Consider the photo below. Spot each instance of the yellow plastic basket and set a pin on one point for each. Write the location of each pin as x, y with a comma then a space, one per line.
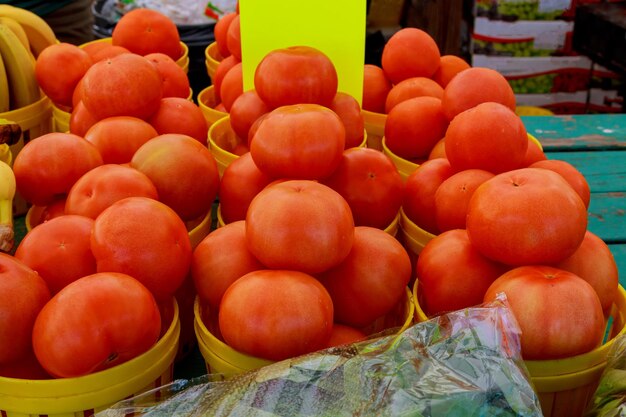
222, 140
404, 166
83, 396
212, 59
532, 111
375, 127
414, 237
221, 358
207, 102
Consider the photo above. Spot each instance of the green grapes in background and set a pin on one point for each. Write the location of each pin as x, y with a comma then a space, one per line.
514, 10
515, 49
541, 84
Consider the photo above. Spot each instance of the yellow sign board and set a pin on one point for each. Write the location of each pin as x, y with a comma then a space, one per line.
335, 27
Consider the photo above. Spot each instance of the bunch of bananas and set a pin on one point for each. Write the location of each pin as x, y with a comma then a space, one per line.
23, 35
9, 134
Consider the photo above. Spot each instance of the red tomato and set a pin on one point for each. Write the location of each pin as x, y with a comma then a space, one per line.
26, 367
371, 184
296, 75
344, 335
23, 293
241, 182
108, 52
594, 262
103, 186
51, 211
349, 111
376, 86
245, 110
72, 337
400, 59
220, 72
81, 119
299, 225
180, 116
452, 274
233, 37
371, 280
533, 154
276, 314
219, 260
183, 170
453, 196
571, 174
449, 66
231, 86
59, 85
175, 80
144, 31
117, 138
529, 216
411, 88
48, 167
471, 141
126, 85
59, 250
558, 312
303, 141
474, 86
439, 150
126, 239
220, 32
414, 126
419, 193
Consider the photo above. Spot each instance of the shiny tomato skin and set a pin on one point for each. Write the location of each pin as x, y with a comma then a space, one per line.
526, 216
371, 280
558, 312
241, 182
296, 75
371, 184
72, 337
276, 314
419, 192
452, 274
299, 225
48, 167
220, 259
303, 141
59, 250
23, 293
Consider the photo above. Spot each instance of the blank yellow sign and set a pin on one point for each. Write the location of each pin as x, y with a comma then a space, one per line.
336, 27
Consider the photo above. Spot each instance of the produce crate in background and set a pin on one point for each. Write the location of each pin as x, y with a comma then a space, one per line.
512, 10
560, 84
521, 38
606, 94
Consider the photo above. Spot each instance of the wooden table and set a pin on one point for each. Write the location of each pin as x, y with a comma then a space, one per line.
596, 146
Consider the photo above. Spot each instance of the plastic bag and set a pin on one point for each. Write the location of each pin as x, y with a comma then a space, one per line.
465, 363
609, 400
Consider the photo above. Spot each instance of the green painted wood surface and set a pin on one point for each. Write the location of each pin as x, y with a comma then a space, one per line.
605, 171
607, 212
619, 253
579, 132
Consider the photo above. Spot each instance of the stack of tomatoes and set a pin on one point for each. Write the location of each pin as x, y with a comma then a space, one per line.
509, 220
116, 206
302, 255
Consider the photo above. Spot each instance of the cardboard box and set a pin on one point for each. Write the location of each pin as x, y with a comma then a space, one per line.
521, 38
605, 101
540, 75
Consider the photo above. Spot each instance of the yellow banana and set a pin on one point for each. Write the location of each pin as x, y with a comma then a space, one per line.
17, 29
40, 34
20, 70
4, 89
7, 193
